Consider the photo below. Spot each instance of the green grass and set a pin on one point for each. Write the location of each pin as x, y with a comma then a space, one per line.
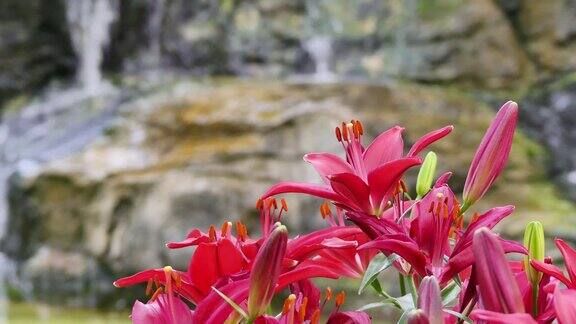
39, 313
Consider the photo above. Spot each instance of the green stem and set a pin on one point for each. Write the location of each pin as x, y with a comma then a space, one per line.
534, 300
413, 290
402, 284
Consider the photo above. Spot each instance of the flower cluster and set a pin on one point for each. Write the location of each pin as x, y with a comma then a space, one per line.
451, 267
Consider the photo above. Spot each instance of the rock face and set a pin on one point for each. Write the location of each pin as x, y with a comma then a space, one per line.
448, 41
198, 154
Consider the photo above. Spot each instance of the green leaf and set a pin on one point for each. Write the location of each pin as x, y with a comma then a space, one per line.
403, 303
450, 293
377, 287
406, 302
377, 265
458, 315
377, 305
232, 303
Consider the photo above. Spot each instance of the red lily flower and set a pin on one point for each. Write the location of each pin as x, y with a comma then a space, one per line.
492, 154
218, 254
364, 181
569, 255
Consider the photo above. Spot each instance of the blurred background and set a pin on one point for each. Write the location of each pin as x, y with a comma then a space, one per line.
126, 122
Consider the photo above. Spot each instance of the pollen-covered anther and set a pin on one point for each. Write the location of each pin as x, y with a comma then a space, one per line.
149, 287
340, 298
212, 233
289, 303
259, 204
338, 134
284, 204
345, 132
325, 210
225, 229
328, 294
241, 231
358, 125
315, 318
302, 308
177, 278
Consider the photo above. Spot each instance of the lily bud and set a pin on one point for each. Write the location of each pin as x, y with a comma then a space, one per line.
430, 300
534, 243
492, 154
265, 271
426, 174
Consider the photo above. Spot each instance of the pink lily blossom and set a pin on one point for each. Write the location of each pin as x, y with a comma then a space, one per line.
364, 181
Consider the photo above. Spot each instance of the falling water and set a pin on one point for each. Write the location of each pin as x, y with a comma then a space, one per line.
156, 13
89, 23
320, 49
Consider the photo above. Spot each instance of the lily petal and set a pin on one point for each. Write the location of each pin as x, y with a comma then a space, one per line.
353, 317
321, 191
565, 305
383, 179
424, 141
406, 248
552, 271
569, 255
500, 318
351, 186
327, 164
388, 146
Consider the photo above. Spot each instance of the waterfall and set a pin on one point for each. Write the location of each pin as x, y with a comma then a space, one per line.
89, 23
320, 50
156, 10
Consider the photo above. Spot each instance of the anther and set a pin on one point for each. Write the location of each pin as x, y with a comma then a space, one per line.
360, 127
328, 294
338, 134
259, 203
302, 309
288, 303
340, 299
315, 318
344, 132
149, 287
225, 228
431, 207
212, 233
284, 204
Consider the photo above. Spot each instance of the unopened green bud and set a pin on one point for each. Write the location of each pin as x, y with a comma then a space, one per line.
426, 174
534, 243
